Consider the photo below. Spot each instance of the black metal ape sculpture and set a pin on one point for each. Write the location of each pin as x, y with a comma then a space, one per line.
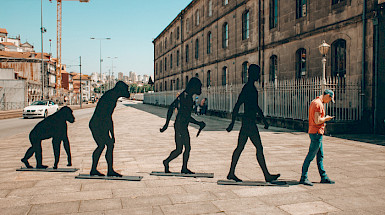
102, 127
184, 104
55, 127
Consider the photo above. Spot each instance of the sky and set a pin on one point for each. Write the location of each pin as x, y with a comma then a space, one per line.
131, 24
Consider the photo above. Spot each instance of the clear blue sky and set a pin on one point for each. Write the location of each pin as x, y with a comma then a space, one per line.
131, 24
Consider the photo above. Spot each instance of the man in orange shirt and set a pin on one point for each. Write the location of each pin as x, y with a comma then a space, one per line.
317, 121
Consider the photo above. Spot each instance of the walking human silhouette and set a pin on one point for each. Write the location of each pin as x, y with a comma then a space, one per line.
55, 127
249, 129
102, 127
184, 104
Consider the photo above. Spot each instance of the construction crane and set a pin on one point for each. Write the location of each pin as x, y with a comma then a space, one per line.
58, 41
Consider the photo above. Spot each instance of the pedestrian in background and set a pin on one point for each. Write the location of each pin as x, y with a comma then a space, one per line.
316, 131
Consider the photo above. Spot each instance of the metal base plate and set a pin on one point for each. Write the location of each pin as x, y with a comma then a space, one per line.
48, 169
178, 174
252, 183
124, 178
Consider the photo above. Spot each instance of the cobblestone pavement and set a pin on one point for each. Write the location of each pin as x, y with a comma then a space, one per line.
358, 169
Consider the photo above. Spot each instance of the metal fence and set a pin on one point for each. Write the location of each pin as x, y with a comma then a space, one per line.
282, 99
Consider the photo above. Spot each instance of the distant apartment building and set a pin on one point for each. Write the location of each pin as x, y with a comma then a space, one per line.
120, 76
85, 82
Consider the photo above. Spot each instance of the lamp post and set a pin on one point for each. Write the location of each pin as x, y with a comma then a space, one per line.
100, 40
323, 49
112, 68
42, 30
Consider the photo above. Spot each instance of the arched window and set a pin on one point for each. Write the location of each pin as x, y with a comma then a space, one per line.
177, 84
208, 78
301, 10
339, 58
165, 64
177, 58
165, 43
165, 86
301, 62
209, 36
244, 72
197, 17
177, 33
210, 8
186, 80
273, 68
225, 35
171, 39
196, 49
224, 75
273, 13
156, 68
171, 85
187, 53
160, 87
245, 25
171, 61
160, 66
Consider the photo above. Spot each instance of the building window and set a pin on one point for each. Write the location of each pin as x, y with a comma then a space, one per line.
160, 66
177, 84
186, 80
177, 58
273, 68
165, 43
225, 2
244, 72
339, 58
224, 75
160, 87
187, 53
197, 17
187, 25
171, 85
273, 13
225, 35
301, 8
209, 36
245, 25
165, 86
171, 61
165, 64
210, 8
337, 1
196, 49
156, 68
171, 39
177, 33
301, 62
208, 78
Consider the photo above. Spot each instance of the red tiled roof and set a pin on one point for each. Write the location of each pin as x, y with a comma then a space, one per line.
15, 54
8, 44
3, 30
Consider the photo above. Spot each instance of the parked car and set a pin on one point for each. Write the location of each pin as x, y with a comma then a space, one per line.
40, 109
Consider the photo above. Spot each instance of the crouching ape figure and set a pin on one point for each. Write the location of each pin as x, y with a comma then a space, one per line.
184, 104
54, 126
249, 97
102, 127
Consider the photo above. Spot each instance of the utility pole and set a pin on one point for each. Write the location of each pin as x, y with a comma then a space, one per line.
42, 30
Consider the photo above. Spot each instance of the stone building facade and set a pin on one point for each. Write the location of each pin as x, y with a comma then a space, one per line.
216, 40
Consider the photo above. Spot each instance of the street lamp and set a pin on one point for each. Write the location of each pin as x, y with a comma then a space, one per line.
323, 49
100, 40
112, 67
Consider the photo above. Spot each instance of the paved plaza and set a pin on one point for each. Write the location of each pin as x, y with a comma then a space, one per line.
357, 167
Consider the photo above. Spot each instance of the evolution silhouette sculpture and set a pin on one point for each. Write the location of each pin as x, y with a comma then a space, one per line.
102, 127
249, 129
184, 104
55, 127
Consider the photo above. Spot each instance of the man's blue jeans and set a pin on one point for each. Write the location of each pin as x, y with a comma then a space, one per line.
314, 149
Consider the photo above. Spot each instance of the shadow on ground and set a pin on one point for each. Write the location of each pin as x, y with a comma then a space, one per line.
367, 138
